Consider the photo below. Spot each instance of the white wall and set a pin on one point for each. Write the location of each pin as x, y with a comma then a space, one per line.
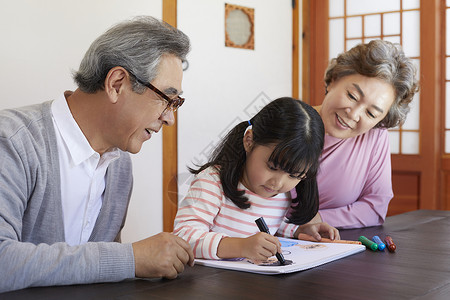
41, 42
223, 85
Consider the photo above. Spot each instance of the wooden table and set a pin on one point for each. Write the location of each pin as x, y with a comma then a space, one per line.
419, 269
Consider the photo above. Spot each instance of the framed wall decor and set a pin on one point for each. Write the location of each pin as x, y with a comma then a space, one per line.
239, 27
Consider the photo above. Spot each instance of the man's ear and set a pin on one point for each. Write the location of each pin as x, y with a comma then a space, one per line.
114, 83
248, 140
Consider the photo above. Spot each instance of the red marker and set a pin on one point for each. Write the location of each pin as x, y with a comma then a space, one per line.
390, 244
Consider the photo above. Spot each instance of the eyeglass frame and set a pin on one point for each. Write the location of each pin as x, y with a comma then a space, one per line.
172, 104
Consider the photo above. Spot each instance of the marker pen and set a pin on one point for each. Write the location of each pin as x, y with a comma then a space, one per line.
368, 243
380, 244
390, 244
263, 228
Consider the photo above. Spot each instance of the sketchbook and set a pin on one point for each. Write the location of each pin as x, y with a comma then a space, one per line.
304, 255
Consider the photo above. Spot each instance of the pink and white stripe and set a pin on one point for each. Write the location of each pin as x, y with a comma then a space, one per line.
205, 215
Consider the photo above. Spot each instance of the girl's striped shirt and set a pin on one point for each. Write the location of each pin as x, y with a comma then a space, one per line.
205, 215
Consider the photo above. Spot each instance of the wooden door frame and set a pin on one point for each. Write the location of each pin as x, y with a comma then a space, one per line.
315, 60
295, 48
430, 83
445, 158
170, 145
315, 50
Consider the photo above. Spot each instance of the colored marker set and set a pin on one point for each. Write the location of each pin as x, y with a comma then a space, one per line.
376, 243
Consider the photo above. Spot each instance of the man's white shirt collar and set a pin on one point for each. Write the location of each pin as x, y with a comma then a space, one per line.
78, 146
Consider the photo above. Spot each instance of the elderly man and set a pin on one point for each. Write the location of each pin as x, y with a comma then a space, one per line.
65, 174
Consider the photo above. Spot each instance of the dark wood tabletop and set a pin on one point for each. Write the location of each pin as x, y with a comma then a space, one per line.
419, 269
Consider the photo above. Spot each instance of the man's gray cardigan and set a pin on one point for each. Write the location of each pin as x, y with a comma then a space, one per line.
33, 251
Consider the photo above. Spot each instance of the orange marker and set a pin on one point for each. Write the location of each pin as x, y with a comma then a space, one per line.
390, 244
307, 237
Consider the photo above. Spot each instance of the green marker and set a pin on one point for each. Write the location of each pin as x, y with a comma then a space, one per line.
368, 243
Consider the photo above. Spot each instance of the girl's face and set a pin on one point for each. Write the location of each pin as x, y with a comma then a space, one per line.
354, 104
260, 176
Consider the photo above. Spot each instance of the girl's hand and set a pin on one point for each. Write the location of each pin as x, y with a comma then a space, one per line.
318, 230
260, 246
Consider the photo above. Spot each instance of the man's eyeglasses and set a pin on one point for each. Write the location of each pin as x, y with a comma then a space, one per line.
172, 104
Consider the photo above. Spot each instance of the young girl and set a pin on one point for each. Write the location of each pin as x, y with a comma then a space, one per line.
249, 176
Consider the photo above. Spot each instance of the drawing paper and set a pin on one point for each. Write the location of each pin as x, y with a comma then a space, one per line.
304, 255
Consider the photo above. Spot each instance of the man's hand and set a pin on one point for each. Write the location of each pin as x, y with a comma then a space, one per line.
162, 255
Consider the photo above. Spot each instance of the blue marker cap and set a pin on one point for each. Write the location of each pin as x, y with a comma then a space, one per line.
377, 240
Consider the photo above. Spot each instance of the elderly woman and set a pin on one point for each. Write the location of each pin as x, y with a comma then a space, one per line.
368, 89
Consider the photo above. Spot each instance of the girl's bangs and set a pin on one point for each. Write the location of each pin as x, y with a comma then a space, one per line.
295, 160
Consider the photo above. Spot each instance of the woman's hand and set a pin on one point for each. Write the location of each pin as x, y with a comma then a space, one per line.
318, 230
317, 219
